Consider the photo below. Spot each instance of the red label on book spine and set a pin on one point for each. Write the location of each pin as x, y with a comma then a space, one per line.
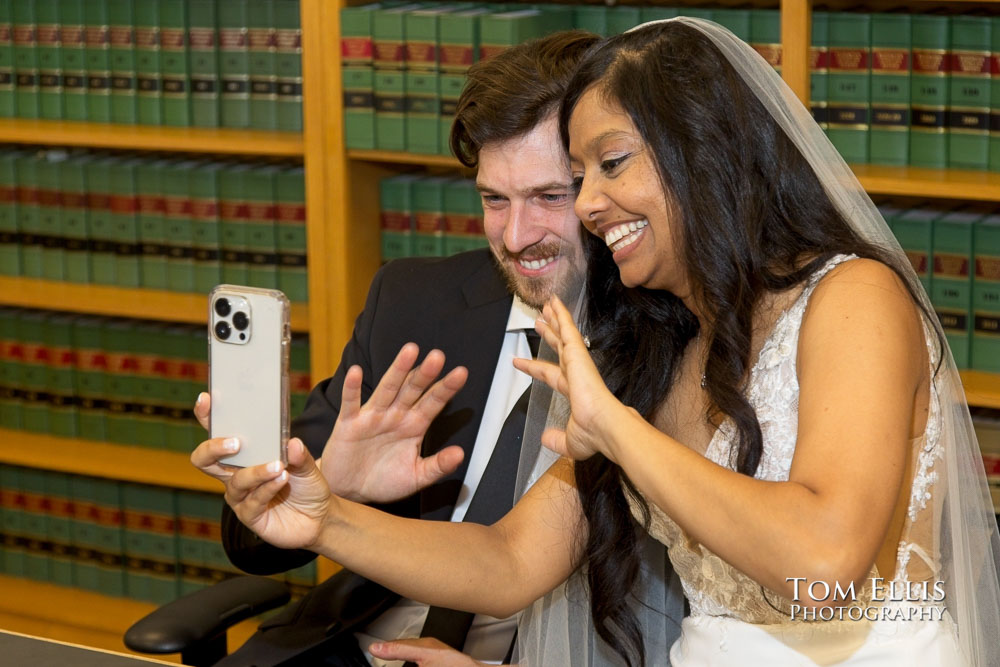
950, 266
970, 63
396, 221
927, 61
98, 36
204, 209
290, 212
201, 38
890, 60
988, 268
177, 207
121, 36
849, 60
123, 204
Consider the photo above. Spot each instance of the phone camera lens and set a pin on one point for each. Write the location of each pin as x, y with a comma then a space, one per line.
240, 320
222, 307
222, 330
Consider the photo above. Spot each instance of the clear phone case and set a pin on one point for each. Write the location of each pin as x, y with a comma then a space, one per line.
248, 343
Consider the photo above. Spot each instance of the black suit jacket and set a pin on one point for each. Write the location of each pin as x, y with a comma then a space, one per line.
459, 305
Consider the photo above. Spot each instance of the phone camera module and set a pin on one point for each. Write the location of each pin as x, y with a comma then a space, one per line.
222, 307
222, 330
241, 321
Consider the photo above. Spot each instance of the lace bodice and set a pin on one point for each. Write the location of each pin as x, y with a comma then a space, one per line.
715, 588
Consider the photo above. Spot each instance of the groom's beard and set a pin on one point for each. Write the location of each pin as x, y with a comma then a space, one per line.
559, 275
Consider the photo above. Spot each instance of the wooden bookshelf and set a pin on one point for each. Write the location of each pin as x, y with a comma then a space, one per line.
937, 183
982, 389
139, 303
128, 463
392, 157
152, 138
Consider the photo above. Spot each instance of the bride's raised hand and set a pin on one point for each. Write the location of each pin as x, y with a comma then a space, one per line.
577, 378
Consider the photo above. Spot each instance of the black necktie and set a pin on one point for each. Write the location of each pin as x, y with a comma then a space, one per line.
493, 498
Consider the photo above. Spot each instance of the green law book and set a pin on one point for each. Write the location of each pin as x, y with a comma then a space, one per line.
48, 47
28, 222
423, 117
290, 213
951, 288
396, 200
623, 17
889, 140
463, 217
124, 206
428, 216
738, 22
262, 48
33, 371
914, 230
288, 64
389, 36
10, 256
111, 575
175, 74
262, 243
150, 390
985, 352
8, 108
122, 24
98, 60
11, 397
147, 63
60, 519
204, 54
203, 187
61, 376
153, 238
499, 32
819, 67
451, 90
233, 217
192, 535
849, 85
995, 93
356, 35
423, 37
74, 59
555, 17
13, 520
359, 106
25, 59
929, 91
83, 533
969, 93
180, 433
695, 12
50, 214
103, 265
177, 207
36, 561
765, 35
150, 540
299, 382
234, 64
91, 378
459, 34
592, 18
656, 13
75, 218
118, 340
390, 105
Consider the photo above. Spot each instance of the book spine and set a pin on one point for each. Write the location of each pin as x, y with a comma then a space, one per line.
299, 382
11, 395
233, 216
623, 17
929, 91
463, 217
262, 48
74, 59
124, 206
359, 106
889, 141
34, 376
25, 59
8, 108
969, 93
175, 71
91, 376
915, 232
288, 65
98, 60
390, 105
147, 403
177, 209
60, 514
179, 370
152, 227
389, 38
49, 215
36, 561
397, 217
48, 41
985, 352
261, 241
150, 520
61, 372
234, 65
203, 185
12, 496
83, 533
423, 117
28, 223
849, 85
428, 217
102, 236
737, 21
420, 50
148, 81
121, 21
291, 238
451, 86
203, 39
951, 287
819, 67
765, 35
110, 569
592, 18
75, 226
10, 259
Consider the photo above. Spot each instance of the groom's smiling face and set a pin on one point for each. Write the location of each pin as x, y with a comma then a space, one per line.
528, 198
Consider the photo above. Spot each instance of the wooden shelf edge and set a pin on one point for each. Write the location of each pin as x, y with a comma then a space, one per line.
404, 158
141, 137
981, 389
937, 183
139, 303
127, 463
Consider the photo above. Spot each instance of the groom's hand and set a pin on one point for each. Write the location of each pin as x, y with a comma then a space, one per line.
425, 652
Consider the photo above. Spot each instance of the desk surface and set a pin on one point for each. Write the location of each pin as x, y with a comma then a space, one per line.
18, 649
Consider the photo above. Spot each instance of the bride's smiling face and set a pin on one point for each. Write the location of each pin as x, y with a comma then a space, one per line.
620, 197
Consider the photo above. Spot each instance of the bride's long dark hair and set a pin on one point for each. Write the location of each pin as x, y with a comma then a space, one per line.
752, 218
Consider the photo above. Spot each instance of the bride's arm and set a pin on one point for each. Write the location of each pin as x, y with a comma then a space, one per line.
861, 358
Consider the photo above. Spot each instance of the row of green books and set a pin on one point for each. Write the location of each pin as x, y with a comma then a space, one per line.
987, 424
124, 381
908, 89
404, 63
956, 254
116, 538
430, 216
204, 63
161, 222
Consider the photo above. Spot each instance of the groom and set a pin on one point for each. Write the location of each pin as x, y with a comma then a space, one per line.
505, 125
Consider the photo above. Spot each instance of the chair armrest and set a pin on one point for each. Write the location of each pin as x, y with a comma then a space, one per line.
204, 614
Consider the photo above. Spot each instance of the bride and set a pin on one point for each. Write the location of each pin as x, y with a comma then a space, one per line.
767, 392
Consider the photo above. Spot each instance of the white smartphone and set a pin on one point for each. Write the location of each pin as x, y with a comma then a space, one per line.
248, 341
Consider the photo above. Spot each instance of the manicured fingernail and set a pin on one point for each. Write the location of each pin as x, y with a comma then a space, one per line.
283, 476
201, 397
230, 444
274, 466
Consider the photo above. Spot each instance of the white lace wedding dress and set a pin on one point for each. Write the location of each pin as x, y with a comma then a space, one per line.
734, 621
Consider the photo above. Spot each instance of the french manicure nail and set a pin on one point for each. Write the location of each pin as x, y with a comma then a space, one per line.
274, 466
231, 444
